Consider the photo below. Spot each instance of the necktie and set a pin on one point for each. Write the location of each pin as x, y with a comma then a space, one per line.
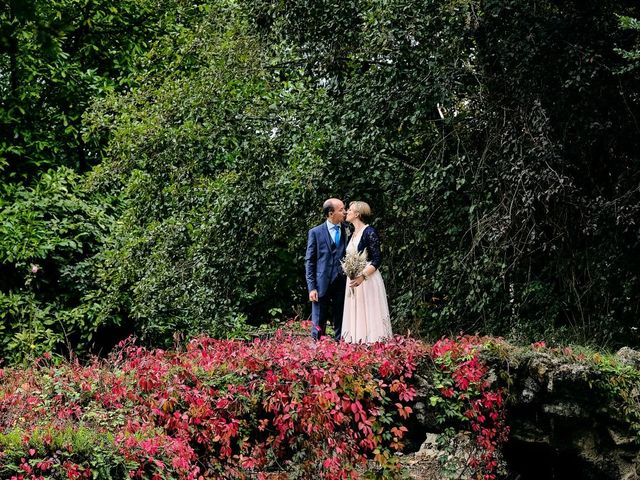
337, 234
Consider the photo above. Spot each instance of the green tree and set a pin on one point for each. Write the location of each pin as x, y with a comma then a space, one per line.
633, 56
55, 57
497, 143
216, 157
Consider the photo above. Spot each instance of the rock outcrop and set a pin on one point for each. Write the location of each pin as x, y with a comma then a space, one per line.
569, 417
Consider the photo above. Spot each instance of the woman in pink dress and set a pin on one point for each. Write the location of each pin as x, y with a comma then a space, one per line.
366, 312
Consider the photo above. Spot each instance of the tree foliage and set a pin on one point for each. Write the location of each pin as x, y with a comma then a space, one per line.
499, 143
500, 161
217, 164
56, 56
496, 141
633, 56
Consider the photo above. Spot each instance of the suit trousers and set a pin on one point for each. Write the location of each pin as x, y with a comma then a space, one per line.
331, 302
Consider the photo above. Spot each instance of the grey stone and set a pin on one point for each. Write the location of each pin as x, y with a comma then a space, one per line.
564, 409
628, 356
530, 390
621, 438
555, 405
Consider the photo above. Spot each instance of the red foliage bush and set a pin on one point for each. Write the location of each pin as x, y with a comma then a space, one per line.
467, 394
222, 409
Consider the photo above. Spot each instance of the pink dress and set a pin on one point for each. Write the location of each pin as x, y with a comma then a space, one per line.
366, 312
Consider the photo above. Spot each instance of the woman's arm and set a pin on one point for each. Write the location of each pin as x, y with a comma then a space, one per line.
372, 244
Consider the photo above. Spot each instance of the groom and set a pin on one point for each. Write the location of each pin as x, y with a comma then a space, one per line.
326, 282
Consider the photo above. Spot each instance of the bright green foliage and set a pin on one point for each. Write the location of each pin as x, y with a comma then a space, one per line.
48, 234
55, 57
217, 158
496, 141
633, 56
76, 449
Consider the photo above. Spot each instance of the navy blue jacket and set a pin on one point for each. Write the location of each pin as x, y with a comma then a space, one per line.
371, 241
322, 260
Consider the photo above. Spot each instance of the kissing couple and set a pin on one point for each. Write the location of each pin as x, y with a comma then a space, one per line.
359, 303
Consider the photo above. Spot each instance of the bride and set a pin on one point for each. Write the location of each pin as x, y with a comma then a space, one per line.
366, 312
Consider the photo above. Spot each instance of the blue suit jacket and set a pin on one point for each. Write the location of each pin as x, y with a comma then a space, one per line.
322, 260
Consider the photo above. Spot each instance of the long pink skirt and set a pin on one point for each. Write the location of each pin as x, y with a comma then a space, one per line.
366, 312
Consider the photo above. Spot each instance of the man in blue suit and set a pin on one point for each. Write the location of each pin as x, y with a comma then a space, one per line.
326, 281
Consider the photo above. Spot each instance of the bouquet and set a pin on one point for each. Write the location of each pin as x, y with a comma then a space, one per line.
353, 265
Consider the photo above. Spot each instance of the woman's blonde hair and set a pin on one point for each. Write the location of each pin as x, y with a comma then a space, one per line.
363, 209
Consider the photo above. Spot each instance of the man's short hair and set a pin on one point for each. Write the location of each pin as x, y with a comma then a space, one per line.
328, 207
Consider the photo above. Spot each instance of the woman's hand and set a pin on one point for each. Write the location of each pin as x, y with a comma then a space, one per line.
356, 281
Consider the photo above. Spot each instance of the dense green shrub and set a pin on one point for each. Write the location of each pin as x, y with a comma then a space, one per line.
499, 144
502, 180
49, 234
217, 164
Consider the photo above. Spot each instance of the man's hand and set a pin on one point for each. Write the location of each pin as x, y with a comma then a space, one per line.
313, 295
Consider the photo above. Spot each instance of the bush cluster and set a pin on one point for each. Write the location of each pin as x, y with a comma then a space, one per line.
221, 409
465, 395
50, 236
